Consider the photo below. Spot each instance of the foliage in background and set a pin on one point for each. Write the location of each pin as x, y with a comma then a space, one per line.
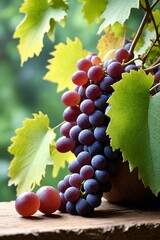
22, 89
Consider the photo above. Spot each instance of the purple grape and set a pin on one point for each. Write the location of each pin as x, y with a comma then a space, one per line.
62, 207
84, 158
79, 148
94, 200
70, 114
99, 162
83, 121
95, 148
71, 208
101, 102
91, 186
102, 176
109, 153
82, 90
66, 180
61, 186
130, 67
74, 166
100, 134
115, 69
93, 92
86, 137
87, 106
87, 171
65, 128
74, 132
72, 194
75, 180
97, 118
157, 77
106, 84
83, 208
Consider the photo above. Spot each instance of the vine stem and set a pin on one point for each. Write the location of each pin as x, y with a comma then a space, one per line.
153, 20
57, 126
139, 32
152, 67
155, 86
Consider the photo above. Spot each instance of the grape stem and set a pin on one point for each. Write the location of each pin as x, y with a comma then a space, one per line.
152, 67
141, 27
154, 87
153, 20
57, 126
131, 61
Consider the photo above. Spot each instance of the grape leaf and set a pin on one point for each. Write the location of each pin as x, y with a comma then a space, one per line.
111, 40
117, 11
137, 131
63, 63
35, 24
31, 150
59, 159
93, 9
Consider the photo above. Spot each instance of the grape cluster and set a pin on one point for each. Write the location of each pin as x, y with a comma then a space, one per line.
84, 132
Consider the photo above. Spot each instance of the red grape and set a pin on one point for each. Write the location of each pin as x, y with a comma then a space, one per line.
65, 144
80, 77
84, 64
115, 69
95, 73
121, 55
27, 204
50, 200
71, 98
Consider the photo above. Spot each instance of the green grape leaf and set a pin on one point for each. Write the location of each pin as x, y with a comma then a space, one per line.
63, 63
93, 9
111, 41
31, 150
35, 24
59, 159
117, 11
135, 125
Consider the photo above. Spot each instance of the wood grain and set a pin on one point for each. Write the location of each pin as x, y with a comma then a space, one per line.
109, 222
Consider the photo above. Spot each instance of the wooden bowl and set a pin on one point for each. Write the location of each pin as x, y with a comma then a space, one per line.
127, 188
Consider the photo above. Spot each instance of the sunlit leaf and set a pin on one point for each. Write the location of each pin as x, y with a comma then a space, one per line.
63, 63
111, 40
31, 150
93, 9
117, 11
35, 24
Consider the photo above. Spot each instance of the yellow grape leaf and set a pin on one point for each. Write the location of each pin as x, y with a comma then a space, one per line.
59, 159
35, 24
31, 150
63, 63
111, 40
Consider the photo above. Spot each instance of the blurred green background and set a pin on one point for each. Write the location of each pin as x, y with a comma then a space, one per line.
23, 90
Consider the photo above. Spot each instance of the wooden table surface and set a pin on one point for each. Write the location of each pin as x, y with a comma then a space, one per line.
108, 222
